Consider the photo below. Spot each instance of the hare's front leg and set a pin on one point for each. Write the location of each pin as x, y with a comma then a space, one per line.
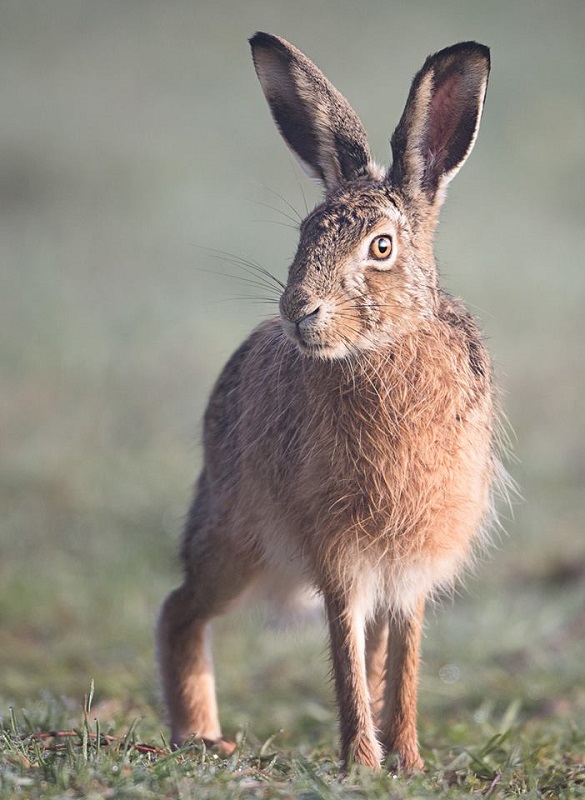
347, 631
398, 717
376, 645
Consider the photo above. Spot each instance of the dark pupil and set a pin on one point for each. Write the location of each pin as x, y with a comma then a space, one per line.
383, 245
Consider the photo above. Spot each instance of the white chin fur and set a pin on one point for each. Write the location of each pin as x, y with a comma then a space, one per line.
325, 352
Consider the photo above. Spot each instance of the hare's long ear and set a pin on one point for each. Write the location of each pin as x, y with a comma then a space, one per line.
439, 125
315, 120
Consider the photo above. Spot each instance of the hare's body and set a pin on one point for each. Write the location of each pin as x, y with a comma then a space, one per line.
348, 444
368, 477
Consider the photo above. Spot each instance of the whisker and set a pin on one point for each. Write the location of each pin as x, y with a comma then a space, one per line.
243, 263
300, 185
294, 220
256, 284
284, 200
250, 278
250, 297
277, 222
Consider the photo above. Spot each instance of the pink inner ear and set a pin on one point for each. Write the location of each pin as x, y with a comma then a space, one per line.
446, 108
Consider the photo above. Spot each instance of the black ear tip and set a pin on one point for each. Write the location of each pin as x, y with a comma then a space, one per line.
462, 51
470, 49
256, 38
262, 39
481, 50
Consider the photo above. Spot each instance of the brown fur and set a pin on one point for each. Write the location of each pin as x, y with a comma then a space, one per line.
348, 443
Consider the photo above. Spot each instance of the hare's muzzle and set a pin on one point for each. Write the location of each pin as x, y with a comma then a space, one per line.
303, 321
308, 320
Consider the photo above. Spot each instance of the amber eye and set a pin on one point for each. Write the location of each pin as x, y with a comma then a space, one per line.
381, 248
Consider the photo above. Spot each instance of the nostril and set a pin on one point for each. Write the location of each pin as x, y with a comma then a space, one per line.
307, 316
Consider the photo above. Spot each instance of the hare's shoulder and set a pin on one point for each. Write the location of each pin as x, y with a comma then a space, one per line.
242, 375
463, 325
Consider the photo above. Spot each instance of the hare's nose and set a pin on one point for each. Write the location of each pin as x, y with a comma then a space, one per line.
297, 308
305, 319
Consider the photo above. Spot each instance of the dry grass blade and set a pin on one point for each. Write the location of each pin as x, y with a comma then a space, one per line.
103, 739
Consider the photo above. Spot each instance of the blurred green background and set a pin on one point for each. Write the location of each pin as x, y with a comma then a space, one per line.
132, 136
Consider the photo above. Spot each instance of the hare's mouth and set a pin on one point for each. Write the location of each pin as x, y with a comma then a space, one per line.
315, 349
312, 341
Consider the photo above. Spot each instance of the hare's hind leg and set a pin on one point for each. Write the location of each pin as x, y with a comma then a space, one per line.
358, 739
186, 668
398, 717
184, 648
215, 576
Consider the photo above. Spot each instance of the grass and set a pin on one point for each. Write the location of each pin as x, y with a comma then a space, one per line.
502, 715
51, 753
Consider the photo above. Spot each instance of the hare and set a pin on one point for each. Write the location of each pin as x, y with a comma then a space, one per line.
348, 443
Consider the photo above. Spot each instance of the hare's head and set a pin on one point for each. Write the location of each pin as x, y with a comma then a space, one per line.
364, 272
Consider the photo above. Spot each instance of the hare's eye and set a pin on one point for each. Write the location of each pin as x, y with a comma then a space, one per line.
381, 248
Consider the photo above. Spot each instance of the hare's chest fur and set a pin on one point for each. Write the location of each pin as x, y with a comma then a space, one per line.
374, 476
